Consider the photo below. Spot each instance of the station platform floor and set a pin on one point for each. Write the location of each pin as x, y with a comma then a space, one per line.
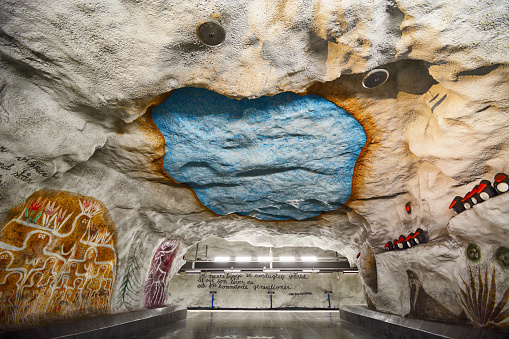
242, 324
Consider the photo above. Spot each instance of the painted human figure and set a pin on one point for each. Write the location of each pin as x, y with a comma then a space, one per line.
51, 260
159, 270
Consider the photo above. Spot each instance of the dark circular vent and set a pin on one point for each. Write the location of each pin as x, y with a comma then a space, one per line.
210, 32
375, 78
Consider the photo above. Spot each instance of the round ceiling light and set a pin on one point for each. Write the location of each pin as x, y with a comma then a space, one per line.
375, 78
210, 32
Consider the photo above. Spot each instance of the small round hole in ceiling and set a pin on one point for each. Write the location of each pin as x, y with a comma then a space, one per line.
210, 32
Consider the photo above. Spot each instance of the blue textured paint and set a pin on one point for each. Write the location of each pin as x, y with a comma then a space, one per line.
274, 158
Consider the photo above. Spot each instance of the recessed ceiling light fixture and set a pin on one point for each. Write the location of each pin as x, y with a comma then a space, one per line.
308, 259
210, 32
375, 78
286, 259
264, 259
222, 259
243, 259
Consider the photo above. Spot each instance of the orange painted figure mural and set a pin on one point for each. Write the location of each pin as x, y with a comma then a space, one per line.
57, 259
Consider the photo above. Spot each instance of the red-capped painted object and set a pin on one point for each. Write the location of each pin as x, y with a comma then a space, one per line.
501, 183
485, 190
476, 199
408, 207
457, 205
389, 246
358, 255
395, 245
420, 237
402, 243
410, 240
467, 201
470, 199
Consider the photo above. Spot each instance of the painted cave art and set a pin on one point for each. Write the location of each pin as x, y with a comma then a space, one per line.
155, 286
273, 158
408, 207
131, 283
481, 193
501, 183
502, 256
57, 259
413, 239
479, 299
474, 253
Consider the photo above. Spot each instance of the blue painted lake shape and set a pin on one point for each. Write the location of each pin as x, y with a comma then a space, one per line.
273, 158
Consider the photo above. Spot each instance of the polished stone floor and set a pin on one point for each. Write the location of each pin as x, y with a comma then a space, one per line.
261, 325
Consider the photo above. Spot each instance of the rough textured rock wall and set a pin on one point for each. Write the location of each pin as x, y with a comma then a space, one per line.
217, 247
77, 78
251, 290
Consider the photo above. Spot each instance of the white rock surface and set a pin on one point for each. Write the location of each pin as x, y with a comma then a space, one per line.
290, 290
213, 247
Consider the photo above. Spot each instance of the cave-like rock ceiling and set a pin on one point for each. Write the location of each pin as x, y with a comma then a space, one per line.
147, 126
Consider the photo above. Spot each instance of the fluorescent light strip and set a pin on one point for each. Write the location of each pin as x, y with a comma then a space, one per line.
264, 259
311, 271
271, 271
193, 272
243, 259
286, 259
222, 259
308, 259
231, 271
350, 272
